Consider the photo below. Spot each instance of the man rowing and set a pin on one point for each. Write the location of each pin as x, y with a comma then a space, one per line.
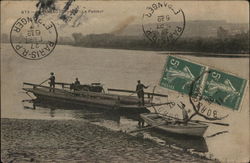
185, 116
140, 91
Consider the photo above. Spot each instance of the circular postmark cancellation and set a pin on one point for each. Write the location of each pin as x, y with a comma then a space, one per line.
162, 23
33, 39
197, 107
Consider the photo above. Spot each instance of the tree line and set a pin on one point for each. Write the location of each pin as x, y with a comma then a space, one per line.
238, 43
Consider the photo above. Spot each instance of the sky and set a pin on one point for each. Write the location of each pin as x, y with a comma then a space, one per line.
115, 13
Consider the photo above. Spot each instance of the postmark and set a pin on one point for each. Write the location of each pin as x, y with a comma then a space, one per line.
163, 23
64, 14
171, 105
32, 39
204, 85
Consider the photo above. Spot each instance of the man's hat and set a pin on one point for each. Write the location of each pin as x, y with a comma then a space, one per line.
138, 81
52, 73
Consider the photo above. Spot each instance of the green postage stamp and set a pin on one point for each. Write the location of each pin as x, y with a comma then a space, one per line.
179, 74
216, 86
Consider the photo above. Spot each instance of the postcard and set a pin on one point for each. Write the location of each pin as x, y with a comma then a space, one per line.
124, 81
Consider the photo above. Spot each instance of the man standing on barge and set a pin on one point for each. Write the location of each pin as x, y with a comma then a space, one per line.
52, 82
77, 84
140, 91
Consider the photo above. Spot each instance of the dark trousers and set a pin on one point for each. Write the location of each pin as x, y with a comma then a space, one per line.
141, 97
52, 87
140, 122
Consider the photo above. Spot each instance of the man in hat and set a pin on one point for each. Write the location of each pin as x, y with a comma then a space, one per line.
184, 113
77, 84
52, 82
140, 91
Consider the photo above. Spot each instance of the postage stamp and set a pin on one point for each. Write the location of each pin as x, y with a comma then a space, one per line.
226, 89
163, 23
179, 74
211, 85
32, 39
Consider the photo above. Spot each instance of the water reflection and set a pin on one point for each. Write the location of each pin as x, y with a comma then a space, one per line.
80, 112
120, 121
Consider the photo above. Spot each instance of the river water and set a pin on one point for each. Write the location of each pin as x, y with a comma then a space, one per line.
119, 69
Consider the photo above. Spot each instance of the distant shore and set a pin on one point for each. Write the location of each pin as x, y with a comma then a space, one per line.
193, 52
78, 140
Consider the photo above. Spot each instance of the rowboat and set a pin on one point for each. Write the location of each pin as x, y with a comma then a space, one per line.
193, 143
174, 125
91, 95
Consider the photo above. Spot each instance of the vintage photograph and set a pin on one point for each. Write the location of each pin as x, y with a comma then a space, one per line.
125, 81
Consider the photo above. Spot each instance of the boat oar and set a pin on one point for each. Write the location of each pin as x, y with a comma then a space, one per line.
138, 90
145, 128
160, 104
216, 123
43, 82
